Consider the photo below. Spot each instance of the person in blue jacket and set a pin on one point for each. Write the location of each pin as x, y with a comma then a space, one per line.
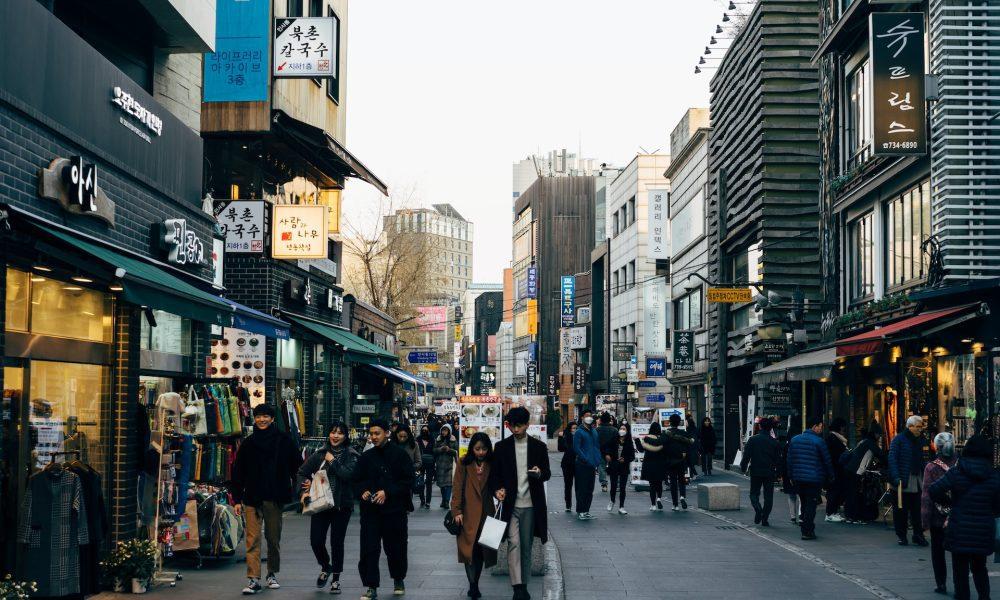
906, 474
809, 467
972, 490
588, 459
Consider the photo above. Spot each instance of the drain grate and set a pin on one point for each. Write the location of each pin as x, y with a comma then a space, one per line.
728, 527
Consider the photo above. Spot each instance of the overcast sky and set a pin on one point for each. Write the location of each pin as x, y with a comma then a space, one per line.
444, 95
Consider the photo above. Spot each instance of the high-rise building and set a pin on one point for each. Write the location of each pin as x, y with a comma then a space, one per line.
449, 237
555, 163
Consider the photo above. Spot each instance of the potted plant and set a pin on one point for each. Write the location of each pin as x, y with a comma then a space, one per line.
11, 589
131, 561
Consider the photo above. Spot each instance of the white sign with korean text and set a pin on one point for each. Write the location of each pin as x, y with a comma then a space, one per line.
299, 231
305, 47
242, 223
577, 338
657, 241
654, 307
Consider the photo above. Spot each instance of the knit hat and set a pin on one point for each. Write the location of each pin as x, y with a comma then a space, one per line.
978, 446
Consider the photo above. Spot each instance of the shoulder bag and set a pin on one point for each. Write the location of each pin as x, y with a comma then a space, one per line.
320, 493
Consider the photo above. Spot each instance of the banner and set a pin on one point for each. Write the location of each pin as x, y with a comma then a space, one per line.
654, 308
237, 71
479, 413
432, 318
565, 352
532, 283
537, 409
580, 378
657, 242
683, 349
568, 290
896, 48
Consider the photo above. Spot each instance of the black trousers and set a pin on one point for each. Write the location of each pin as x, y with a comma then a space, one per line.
836, 495
911, 508
584, 487
809, 496
655, 490
706, 462
767, 484
961, 564
619, 477
378, 531
937, 556
677, 482
334, 521
852, 497
568, 471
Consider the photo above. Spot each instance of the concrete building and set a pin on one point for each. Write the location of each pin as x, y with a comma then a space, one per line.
555, 163
688, 175
450, 237
638, 294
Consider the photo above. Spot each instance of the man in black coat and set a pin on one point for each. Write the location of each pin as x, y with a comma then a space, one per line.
762, 454
264, 475
385, 479
520, 468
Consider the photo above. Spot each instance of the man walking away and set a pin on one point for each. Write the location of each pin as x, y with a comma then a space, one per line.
264, 474
606, 433
906, 473
385, 480
836, 494
588, 460
707, 441
677, 447
517, 477
809, 467
762, 455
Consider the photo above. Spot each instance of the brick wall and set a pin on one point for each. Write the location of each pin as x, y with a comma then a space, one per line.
121, 413
177, 85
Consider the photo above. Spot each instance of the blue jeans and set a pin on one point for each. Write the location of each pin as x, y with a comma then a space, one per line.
446, 495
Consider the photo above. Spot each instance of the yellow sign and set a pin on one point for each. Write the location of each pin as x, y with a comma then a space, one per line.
429, 367
331, 199
532, 316
365, 420
458, 332
730, 295
299, 231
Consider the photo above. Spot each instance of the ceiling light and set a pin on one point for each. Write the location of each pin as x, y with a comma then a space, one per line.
116, 287
732, 5
41, 267
37, 279
701, 60
713, 40
81, 279
707, 50
72, 288
966, 340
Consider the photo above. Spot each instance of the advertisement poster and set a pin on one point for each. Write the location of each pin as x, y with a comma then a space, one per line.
536, 407
479, 413
432, 318
240, 354
663, 414
638, 430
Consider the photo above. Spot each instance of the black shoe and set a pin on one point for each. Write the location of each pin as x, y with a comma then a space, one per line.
324, 577
941, 589
764, 523
756, 517
808, 536
902, 542
920, 541
398, 588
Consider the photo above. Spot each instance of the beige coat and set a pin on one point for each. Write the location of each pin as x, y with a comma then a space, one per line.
467, 499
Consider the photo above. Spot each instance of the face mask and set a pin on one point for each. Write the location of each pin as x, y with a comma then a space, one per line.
622, 432
588, 420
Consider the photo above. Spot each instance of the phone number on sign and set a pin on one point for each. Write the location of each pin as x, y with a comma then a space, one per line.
899, 145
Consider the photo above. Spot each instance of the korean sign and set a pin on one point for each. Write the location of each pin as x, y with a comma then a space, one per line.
432, 318
622, 352
577, 338
896, 47
656, 367
532, 291
654, 308
299, 231
683, 349
579, 378
237, 70
568, 299
182, 244
305, 47
479, 413
532, 377
553, 387
657, 244
729, 295
242, 223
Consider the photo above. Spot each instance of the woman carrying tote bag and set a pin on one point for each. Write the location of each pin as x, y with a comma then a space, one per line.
470, 504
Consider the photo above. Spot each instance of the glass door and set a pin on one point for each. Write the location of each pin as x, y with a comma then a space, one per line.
13, 466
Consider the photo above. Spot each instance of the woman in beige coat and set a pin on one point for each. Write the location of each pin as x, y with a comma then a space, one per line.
468, 507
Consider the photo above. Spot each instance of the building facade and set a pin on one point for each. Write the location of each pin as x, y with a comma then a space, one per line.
449, 237
555, 163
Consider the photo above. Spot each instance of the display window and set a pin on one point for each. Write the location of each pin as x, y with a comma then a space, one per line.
42, 305
956, 382
172, 334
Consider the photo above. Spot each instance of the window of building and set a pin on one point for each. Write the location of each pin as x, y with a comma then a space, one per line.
614, 224
631, 210
56, 308
631, 274
172, 334
630, 336
289, 354
909, 224
746, 264
687, 311
859, 118
615, 282
861, 252
295, 9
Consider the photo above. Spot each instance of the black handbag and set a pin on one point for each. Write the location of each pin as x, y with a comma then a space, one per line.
450, 524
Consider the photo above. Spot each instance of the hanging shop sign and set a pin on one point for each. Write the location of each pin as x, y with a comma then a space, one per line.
568, 289
729, 295
334, 301
657, 242
896, 48
299, 290
432, 318
577, 338
774, 350
532, 316
565, 352
582, 315
487, 377
243, 224
241, 355
237, 70
479, 413
218, 262
553, 385
364, 409
579, 378
182, 245
683, 349
299, 231
532, 291
73, 183
646, 383
656, 367
532, 377
622, 352
305, 47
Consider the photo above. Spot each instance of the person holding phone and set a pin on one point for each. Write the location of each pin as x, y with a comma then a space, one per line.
520, 468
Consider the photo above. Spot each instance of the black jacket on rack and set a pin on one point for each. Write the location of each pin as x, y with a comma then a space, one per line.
97, 527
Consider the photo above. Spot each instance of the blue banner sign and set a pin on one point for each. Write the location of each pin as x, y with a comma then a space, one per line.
646, 383
239, 69
532, 282
656, 367
422, 357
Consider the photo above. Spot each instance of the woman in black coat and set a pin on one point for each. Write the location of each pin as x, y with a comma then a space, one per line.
565, 444
974, 487
654, 464
707, 441
619, 454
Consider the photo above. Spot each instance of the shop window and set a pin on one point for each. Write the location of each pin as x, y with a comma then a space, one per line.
289, 354
18, 293
172, 334
861, 252
68, 310
687, 311
956, 379
909, 217
859, 118
65, 412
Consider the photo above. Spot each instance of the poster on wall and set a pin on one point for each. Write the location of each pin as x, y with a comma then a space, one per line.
479, 413
638, 430
536, 408
432, 318
240, 354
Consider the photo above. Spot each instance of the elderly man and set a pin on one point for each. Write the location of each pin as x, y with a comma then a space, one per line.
906, 471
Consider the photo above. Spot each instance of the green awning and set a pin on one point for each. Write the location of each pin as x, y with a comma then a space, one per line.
146, 284
356, 349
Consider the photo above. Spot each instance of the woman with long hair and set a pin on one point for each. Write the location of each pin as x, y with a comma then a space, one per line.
619, 454
425, 441
654, 464
340, 462
403, 437
470, 504
445, 455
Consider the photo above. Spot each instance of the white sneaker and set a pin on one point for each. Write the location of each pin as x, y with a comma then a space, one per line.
272, 581
253, 587
652, 508
834, 518
622, 511
611, 506
676, 509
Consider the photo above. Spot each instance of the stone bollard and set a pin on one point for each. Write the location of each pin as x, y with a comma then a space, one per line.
718, 496
537, 559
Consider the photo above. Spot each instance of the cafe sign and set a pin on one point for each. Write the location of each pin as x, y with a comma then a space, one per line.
298, 231
183, 246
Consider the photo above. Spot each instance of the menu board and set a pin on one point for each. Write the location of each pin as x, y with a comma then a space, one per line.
240, 354
479, 413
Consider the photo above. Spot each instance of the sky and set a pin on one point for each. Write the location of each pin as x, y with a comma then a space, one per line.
443, 96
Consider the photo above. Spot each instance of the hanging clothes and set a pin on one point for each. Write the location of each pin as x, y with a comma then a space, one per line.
97, 526
52, 527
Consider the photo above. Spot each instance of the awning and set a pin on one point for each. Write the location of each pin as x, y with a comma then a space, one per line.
399, 375
357, 350
148, 285
873, 341
807, 366
319, 146
255, 321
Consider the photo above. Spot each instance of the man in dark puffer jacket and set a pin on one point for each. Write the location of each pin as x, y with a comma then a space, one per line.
975, 502
906, 471
809, 467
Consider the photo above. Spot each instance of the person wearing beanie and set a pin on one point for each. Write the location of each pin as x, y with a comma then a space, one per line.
762, 459
264, 474
974, 489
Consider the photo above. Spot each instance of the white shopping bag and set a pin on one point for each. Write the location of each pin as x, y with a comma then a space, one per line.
320, 494
493, 530
865, 461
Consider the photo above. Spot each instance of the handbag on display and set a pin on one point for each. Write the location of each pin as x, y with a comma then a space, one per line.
320, 493
493, 530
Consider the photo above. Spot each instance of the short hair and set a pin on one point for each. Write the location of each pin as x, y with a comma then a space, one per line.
945, 444
605, 418
338, 425
518, 416
838, 424
766, 424
654, 428
914, 420
380, 423
675, 420
814, 421
264, 409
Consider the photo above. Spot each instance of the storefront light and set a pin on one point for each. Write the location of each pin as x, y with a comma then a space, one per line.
978, 347
925, 349
82, 279
42, 268
866, 361
966, 340
940, 351
72, 288
38, 279
895, 354
116, 287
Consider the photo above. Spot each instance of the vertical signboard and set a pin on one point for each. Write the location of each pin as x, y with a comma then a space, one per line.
568, 303
532, 291
683, 348
896, 48
532, 316
580, 378
565, 352
654, 308
532, 377
657, 242
238, 70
